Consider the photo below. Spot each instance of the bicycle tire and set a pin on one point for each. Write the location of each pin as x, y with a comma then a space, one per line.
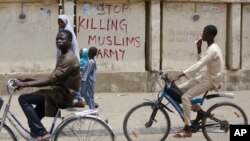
7, 134
84, 128
229, 113
134, 123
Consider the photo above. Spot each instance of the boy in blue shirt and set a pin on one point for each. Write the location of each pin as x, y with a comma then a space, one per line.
89, 79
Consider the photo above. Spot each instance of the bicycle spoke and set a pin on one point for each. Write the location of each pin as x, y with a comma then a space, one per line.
6, 134
223, 114
141, 125
84, 128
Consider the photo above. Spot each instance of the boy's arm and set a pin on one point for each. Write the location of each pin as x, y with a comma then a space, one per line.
25, 79
192, 70
198, 45
87, 71
34, 83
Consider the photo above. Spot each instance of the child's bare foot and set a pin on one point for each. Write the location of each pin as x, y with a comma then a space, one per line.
80, 103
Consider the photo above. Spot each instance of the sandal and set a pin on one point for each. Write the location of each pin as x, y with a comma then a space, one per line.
186, 132
45, 137
183, 134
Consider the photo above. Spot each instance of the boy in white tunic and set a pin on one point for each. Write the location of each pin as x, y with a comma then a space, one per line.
209, 79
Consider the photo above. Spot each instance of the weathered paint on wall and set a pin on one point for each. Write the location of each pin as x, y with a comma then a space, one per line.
180, 31
117, 30
155, 38
245, 37
28, 45
234, 37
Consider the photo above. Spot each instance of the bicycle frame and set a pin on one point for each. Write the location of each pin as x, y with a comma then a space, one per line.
13, 120
25, 133
176, 105
152, 116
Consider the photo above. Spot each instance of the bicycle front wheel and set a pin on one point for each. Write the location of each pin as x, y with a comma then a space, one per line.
6, 134
85, 128
137, 125
221, 116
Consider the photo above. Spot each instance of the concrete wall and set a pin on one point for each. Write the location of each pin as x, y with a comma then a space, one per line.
180, 31
28, 45
154, 46
245, 37
132, 37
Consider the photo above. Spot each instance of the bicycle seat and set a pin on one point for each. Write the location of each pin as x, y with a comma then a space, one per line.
87, 112
197, 101
79, 111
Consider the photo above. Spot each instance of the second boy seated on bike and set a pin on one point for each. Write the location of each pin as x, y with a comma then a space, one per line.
209, 79
64, 82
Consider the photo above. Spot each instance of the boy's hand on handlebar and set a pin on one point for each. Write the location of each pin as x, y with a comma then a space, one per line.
19, 85
177, 76
22, 79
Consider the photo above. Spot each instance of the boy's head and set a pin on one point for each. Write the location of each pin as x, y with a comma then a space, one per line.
209, 32
63, 39
92, 52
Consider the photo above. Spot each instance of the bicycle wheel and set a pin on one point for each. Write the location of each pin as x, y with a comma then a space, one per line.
85, 128
134, 124
6, 134
223, 114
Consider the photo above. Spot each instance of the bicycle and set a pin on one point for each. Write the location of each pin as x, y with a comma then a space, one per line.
150, 120
79, 125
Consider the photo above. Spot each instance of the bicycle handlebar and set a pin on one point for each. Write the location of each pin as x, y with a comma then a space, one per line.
11, 87
164, 76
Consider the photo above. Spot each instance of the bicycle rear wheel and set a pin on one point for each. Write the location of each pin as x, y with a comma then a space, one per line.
85, 128
6, 134
222, 115
134, 124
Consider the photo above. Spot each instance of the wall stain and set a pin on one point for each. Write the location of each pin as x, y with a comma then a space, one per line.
46, 11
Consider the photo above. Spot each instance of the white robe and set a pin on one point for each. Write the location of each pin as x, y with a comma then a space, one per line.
74, 44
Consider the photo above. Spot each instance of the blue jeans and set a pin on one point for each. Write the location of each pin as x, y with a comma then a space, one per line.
34, 114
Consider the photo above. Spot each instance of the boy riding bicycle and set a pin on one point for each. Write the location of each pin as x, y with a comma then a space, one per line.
64, 82
209, 79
